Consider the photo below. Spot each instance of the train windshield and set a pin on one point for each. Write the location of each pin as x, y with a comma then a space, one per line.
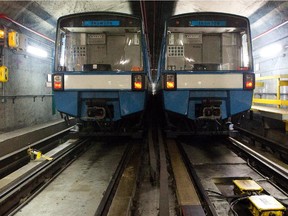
99, 44
202, 45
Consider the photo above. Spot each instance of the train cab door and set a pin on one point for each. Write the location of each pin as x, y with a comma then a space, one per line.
212, 49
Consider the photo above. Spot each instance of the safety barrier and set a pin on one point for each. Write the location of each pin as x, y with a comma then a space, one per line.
279, 112
281, 80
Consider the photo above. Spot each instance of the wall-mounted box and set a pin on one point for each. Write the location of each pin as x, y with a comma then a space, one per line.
13, 39
3, 74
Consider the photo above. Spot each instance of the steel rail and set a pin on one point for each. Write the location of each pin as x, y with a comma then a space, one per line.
152, 157
15, 160
274, 169
164, 185
13, 194
267, 142
272, 172
188, 199
104, 205
126, 189
207, 204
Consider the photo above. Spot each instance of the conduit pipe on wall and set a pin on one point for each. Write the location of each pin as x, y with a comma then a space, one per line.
270, 30
3, 16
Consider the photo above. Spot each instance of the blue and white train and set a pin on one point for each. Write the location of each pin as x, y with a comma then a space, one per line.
101, 69
206, 70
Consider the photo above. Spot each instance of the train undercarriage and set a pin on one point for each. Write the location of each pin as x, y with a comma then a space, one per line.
178, 125
132, 125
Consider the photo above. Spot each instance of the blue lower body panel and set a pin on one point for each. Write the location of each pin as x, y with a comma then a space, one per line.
100, 105
191, 103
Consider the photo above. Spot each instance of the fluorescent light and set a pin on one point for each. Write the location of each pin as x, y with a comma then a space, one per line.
37, 51
271, 50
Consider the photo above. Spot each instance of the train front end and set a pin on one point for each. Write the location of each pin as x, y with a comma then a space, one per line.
206, 69
101, 68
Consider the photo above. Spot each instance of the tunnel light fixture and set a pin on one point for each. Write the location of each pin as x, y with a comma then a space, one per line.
271, 51
36, 51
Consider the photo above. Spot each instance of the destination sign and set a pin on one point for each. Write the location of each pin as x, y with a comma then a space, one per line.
100, 23
207, 23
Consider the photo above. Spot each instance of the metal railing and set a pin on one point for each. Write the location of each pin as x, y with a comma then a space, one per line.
281, 80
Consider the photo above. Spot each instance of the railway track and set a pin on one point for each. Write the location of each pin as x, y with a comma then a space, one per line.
271, 170
154, 176
214, 167
87, 178
278, 149
19, 158
31, 179
118, 197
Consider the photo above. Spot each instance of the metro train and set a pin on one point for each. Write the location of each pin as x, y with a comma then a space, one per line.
101, 70
206, 71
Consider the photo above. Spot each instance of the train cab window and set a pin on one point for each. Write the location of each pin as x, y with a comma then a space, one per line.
95, 47
207, 49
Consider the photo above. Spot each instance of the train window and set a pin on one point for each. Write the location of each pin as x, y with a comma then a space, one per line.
97, 47
207, 48
244, 51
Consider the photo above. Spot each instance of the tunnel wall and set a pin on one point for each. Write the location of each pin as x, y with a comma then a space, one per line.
28, 76
269, 27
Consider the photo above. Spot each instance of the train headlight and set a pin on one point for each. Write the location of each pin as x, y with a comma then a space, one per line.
58, 82
249, 81
170, 81
138, 83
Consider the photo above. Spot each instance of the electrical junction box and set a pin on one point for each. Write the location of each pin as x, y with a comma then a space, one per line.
246, 187
13, 39
265, 205
3, 74
2, 34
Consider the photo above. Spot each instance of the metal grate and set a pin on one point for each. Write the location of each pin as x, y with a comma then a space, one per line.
175, 51
79, 51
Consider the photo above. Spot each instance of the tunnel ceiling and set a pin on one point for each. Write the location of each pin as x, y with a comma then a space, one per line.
42, 16
241, 7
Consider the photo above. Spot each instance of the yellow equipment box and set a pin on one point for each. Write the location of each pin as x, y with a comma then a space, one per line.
265, 205
2, 34
246, 187
13, 39
3, 74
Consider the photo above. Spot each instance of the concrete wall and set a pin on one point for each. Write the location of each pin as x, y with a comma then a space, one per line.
270, 33
277, 65
27, 76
